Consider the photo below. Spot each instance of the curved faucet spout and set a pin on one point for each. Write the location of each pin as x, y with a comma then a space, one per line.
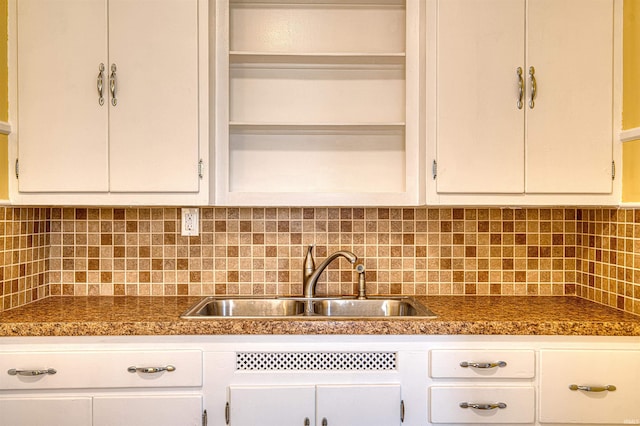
311, 276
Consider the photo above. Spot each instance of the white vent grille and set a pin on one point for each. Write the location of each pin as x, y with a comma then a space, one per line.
315, 361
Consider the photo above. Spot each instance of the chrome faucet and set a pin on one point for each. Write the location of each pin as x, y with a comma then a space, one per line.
311, 273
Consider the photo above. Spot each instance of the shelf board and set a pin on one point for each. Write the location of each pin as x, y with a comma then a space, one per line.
319, 127
383, 58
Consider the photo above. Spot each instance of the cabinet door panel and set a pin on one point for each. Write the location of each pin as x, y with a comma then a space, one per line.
364, 405
154, 126
569, 131
130, 410
63, 411
480, 129
271, 405
62, 136
561, 368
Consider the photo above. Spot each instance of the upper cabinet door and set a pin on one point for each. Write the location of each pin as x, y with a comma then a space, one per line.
62, 132
569, 130
480, 125
153, 45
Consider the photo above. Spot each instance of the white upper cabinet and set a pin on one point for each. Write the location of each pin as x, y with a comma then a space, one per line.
109, 103
569, 129
522, 101
317, 103
480, 128
63, 129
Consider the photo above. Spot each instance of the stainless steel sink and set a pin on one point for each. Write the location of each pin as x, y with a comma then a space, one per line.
374, 307
252, 307
245, 307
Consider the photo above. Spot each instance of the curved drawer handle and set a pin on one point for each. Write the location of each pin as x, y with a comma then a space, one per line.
100, 84
483, 406
113, 81
534, 87
150, 370
609, 388
18, 372
466, 364
520, 87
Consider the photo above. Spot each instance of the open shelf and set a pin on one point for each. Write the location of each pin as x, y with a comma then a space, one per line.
317, 102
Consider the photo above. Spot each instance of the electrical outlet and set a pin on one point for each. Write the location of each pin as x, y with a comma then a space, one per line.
190, 222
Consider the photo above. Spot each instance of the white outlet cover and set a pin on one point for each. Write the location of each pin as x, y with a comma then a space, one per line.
190, 222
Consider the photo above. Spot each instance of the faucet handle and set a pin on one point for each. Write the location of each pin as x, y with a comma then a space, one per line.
309, 263
362, 282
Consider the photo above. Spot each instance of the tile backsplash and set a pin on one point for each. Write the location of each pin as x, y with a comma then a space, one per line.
414, 251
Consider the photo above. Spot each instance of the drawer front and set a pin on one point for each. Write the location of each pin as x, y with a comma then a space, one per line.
559, 369
504, 364
100, 369
496, 405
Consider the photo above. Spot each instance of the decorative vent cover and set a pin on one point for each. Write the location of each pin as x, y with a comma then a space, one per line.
315, 361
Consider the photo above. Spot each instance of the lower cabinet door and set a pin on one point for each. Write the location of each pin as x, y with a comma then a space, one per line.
590, 386
358, 405
62, 411
156, 410
482, 404
272, 405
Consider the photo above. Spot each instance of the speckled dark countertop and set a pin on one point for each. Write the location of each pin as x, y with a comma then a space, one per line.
506, 315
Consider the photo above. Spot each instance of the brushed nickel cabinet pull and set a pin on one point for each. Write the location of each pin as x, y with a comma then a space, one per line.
150, 370
534, 87
112, 84
520, 87
100, 84
609, 388
19, 372
466, 364
478, 406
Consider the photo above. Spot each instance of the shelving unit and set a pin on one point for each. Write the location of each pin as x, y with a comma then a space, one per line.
317, 103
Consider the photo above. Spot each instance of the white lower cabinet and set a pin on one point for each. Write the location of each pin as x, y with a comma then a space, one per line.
278, 380
150, 410
45, 411
489, 385
590, 386
99, 387
271, 405
330, 405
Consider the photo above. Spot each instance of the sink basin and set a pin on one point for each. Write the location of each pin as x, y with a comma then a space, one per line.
387, 307
245, 307
254, 307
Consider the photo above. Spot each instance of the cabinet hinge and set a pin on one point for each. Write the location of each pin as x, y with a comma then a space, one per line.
226, 413
204, 418
200, 167
17, 169
434, 169
613, 170
402, 411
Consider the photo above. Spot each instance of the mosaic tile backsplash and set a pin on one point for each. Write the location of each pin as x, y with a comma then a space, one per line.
259, 251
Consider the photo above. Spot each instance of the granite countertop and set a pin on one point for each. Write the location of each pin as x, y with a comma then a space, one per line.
467, 315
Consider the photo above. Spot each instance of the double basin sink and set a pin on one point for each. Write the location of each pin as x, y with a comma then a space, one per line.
254, 307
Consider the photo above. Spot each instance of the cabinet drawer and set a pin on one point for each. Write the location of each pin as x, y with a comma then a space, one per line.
516, 405
559, 369
103, 369
504, 364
